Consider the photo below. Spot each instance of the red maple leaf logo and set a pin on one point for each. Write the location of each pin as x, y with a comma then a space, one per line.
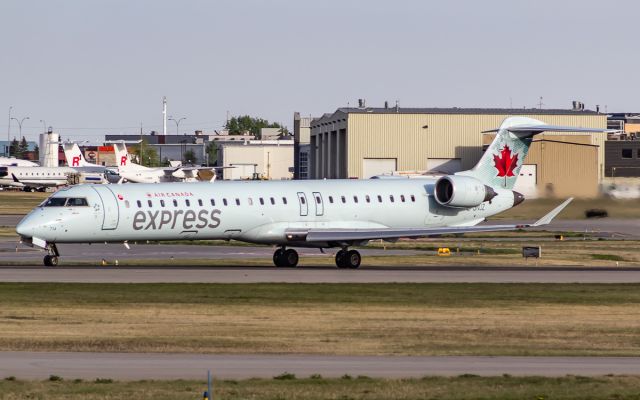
505, 163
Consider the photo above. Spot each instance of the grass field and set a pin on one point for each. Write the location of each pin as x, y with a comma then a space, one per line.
20, 202
462, 387
355, 319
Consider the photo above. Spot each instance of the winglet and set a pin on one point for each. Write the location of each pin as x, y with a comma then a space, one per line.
552, 214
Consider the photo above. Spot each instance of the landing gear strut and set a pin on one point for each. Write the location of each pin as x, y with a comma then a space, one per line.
348, 259
285, 258
51, 259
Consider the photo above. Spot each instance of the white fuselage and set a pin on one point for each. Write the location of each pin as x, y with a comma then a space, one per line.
252, 211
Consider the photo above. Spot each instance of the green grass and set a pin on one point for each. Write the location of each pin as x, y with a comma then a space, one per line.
341, 319
277, 294
535, 208
462, 387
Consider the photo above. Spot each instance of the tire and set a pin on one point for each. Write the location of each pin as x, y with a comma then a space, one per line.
352, 259
50, 261
340, 259
290, 258
277, 257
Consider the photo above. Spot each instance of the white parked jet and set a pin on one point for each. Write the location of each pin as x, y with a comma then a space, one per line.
133, 172
76, 160
16, 162
311, 213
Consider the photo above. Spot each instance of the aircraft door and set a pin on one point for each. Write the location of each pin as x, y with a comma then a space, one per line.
317, 199
110, 211
304, 206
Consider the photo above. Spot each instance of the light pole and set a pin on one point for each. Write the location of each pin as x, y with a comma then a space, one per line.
20, 121
177, 123
9, 134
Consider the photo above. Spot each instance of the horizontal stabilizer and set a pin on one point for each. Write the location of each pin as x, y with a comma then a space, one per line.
534, 129
552, 214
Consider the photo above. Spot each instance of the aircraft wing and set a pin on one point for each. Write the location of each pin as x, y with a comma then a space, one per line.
355, 235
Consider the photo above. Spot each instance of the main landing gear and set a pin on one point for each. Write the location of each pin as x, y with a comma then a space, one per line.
288, 258
285, 258
51, 259
348, 259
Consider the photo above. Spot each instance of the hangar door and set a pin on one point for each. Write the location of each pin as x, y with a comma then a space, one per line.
377, 166
527, 181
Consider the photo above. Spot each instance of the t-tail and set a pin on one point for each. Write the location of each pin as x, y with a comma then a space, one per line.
500, 165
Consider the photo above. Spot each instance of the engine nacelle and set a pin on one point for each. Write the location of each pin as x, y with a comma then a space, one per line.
462, 191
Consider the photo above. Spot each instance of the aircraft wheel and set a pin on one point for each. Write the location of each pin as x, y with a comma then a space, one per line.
50, 261
352, 259
340, 259
277, 257
290, 258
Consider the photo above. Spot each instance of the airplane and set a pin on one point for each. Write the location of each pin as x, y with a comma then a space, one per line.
16, 162
306, 213
76, 160
137, 173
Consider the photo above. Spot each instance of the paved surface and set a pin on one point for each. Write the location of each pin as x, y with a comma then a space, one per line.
133, 366
10, 220
604, 227
315, 275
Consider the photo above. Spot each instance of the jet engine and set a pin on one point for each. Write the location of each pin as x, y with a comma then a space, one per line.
461, 191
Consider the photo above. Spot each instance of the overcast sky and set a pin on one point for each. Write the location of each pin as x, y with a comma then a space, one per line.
94, 67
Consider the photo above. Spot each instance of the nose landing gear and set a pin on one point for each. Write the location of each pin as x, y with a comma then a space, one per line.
51, 259
348, 259
285, 258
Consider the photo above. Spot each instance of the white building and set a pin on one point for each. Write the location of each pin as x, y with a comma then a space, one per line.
256, 159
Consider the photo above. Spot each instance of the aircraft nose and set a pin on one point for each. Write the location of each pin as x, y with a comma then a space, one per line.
26, 227
517, 198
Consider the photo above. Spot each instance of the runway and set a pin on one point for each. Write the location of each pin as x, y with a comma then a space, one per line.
316, 275
136, 366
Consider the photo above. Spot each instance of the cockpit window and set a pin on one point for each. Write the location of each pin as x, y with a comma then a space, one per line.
77, 202
55, 202
65, 201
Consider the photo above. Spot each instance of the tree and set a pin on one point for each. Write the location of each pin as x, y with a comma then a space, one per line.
245, 123
23, 147
146, 155
212, 152
36, 152
189, 157
13, 148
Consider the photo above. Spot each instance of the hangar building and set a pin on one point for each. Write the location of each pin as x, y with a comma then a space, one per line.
363, 142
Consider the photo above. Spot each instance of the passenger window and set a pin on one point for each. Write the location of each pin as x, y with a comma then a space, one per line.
237, 201
273, 201
261, 201
344, 200
213, 202
367, 199
355, 199
391, 198
139, 204
175, 203
379, 199
250, 200
413, 198
284, 200
200, 202
161, 203
224, 201
402, 198
302, 200
331, 199
150, 203
318, 200
187, 202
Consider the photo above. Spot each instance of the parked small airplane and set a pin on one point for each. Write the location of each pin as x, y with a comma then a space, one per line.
133, 172
76, 160
16, 162
306, 213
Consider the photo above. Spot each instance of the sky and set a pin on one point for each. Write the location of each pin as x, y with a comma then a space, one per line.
89, 68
